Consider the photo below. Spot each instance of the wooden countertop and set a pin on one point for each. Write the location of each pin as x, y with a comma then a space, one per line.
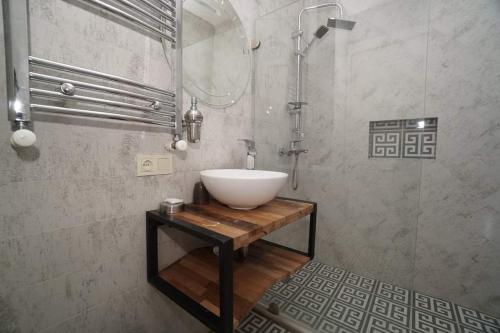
245, 226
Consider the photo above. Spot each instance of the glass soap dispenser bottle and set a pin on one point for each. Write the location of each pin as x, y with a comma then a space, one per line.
193, 119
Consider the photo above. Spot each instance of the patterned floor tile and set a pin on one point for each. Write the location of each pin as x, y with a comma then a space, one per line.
433, 305
361, 282
466, 329
354, 297
273, 298
430, 323
302, 276
346, 316
375, 324
253, 323
328, 326
322, 285
391, 311
311, 300
331, 300
286, 290
477, 321
300, 314
275, 328
331, 273
393, 293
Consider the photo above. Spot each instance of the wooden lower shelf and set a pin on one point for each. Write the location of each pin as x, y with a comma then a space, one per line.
197, 275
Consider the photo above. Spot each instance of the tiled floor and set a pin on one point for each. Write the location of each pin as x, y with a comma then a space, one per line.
331, 300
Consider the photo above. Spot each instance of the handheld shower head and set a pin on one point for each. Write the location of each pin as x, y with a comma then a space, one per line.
320, 33
322, 30
339, 23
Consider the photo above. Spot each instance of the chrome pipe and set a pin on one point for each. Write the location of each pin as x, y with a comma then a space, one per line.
96, 87
99, 114
178, 71
298, 91
17, 49
55, 94
159, 11
119, 12
148, 14
170, 7
298, 134
79, 70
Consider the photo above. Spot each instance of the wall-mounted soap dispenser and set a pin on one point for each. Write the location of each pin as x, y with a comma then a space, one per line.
193, 120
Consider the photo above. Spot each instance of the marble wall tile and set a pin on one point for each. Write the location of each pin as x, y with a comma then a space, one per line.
265, 7
431, 225
72, 210
458, 230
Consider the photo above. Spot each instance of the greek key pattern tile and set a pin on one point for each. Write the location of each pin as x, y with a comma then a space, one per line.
476, 321
393, 293
378, 325
410, 138
355, 297
430, 323
346, 315
360, 282
434, 305
331, 300
391, 311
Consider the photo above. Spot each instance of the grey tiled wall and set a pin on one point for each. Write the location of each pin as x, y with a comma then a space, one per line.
72, 241
427, 224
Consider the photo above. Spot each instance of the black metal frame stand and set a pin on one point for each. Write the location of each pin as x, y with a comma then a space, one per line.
224, 322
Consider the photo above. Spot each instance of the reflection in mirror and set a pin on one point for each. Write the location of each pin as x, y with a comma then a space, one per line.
216, 59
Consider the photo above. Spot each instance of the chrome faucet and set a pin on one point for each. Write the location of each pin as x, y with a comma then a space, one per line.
251, 153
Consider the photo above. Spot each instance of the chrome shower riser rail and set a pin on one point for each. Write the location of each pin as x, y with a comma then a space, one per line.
96, 74
95, 87
99, 114
132, 18
296, 106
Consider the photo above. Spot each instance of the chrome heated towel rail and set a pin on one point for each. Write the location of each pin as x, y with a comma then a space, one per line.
41, 85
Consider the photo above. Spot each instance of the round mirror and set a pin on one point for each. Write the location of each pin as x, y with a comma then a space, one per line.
216, 57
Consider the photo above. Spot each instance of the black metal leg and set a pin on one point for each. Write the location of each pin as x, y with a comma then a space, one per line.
312, 233
151, 248
226, 287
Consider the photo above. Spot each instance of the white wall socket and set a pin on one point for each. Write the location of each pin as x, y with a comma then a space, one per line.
149, 165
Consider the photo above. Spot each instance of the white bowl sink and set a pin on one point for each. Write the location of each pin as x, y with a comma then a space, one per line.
243, 189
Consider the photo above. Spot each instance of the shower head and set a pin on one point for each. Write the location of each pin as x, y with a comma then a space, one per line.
321, 32
338, 23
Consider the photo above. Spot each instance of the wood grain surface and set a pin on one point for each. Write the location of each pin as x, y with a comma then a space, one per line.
245, 226
197, 275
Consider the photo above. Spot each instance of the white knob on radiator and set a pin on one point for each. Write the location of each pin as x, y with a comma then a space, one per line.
23, 138
181, 145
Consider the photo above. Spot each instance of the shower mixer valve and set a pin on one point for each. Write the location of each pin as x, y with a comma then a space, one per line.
294, 149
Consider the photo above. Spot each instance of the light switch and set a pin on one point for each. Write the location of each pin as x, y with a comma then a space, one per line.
149, 165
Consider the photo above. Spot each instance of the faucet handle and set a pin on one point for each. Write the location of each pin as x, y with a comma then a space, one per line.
250, 143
